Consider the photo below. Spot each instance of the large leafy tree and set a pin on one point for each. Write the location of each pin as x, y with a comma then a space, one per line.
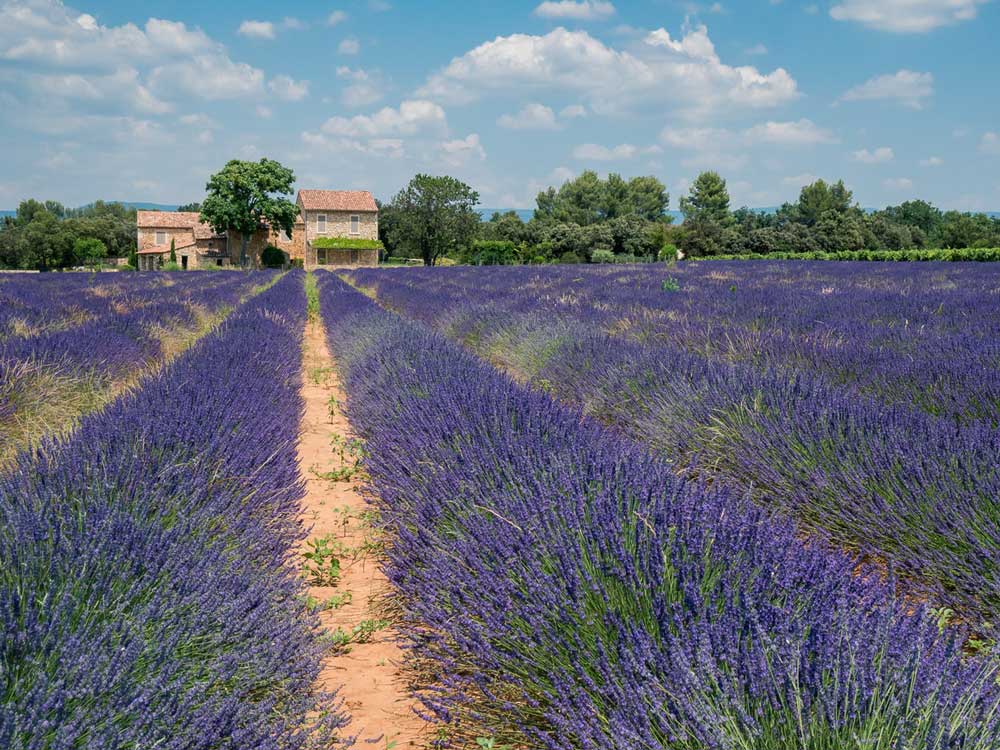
434, 216
249, 196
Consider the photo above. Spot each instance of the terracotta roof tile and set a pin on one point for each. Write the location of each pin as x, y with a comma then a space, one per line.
167, 219
337, 200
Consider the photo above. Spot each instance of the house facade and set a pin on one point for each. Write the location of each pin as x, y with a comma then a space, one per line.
328, 214
341, 214
196, 245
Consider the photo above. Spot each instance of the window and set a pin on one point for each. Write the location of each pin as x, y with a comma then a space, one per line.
320, 223
355, 225
161, 238
284, 236
321, 256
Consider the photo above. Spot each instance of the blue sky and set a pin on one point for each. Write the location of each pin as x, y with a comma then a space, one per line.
131, 101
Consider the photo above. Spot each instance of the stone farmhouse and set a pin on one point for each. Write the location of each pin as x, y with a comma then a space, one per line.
326, 215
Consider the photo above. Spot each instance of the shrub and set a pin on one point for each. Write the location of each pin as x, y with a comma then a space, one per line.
602, 256
667, 253
171, 266
492, 253
569, 258
272, 257
346, 243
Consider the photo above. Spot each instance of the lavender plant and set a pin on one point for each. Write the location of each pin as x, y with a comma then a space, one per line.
566, 588
148, 592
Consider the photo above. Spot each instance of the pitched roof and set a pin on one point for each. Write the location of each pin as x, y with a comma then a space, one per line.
167, 219
337, 200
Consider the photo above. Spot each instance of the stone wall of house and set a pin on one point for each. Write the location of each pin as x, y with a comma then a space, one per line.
335, 258
146, 238
338, 224
295, 248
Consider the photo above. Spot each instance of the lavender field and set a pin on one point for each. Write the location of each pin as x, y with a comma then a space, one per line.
719, 505
746, 506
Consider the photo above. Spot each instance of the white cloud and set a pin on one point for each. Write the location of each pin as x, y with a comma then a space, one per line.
209, 77
292, 24
365, 87
658, 71
800, 180
799, 132
906, 16
595, 152
412, 117
905, 87
200, 120
573, 111
530, 117
933, 161
699, 139
349, 47
880, 155
263, 112
757, 49
257, 29
459, 152
288, 89
338, 16
584, 10
990, 143
897, 183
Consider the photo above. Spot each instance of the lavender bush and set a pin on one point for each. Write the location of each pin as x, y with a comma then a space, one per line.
862, 400
567, 589
146, 593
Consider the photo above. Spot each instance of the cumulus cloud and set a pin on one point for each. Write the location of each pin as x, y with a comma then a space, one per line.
798, 132
412, 117
879, 156
573, 111
530, 117
897, 183
364, 87
596, 152
905, 87
585, 10
990, 143
658, 71
349, 47
209, 77
338, 16
257, 29
801, 180
287, 88
906, 16
458, 153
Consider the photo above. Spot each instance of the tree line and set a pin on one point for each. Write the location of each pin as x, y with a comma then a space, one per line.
586, 219
589, 219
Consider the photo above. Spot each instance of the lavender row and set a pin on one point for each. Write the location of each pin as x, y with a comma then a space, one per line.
85, 324
927, 336
569, 590
146, 595
891, 482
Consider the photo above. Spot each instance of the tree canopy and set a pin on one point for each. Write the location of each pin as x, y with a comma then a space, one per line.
431, 217
249, 196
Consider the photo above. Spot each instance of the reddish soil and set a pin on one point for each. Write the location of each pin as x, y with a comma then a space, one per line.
368, 675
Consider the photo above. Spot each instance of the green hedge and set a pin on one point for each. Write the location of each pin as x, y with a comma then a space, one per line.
346, 243
981, 254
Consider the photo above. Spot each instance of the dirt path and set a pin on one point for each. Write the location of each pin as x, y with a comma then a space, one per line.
365, 669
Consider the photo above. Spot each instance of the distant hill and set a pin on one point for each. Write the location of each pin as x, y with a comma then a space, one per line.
131, 204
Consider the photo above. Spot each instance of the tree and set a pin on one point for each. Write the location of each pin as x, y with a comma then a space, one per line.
648, 198
818, 198
708, 200
190, 207
173, 251
89, 250
248, 197
434, 216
